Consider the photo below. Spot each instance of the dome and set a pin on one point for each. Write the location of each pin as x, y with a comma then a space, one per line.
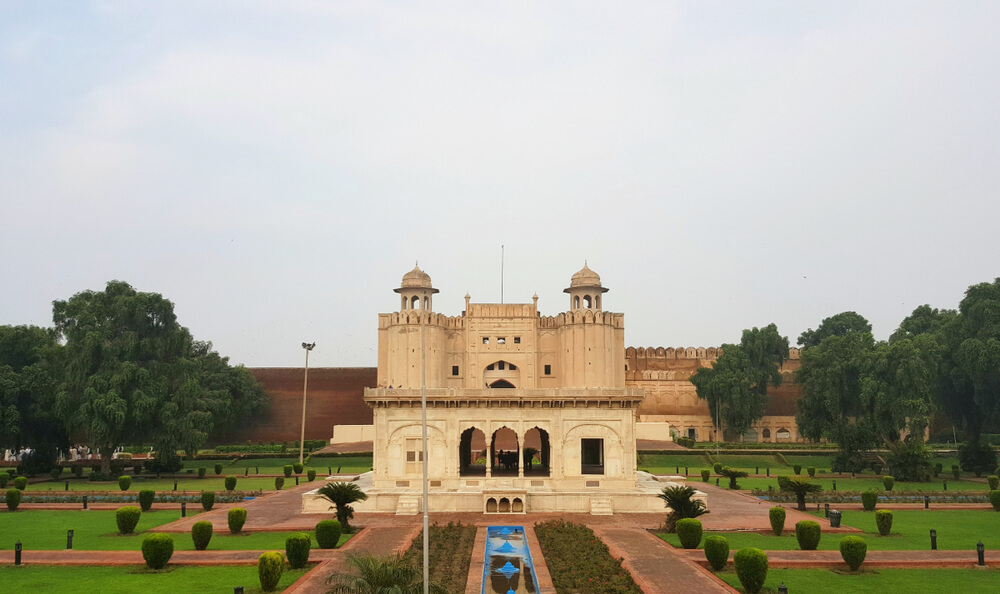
585, 278
416, 279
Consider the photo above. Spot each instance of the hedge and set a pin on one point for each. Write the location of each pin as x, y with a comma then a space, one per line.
201, 472
808, 532
230, 483
717, 467
797, 468
218, 469
328, 533
270, 566
705, 474
4, 477
777, 517
869, 499
888, 482
127, 518
157, 549
994, 482
21, 483
751, 568
994, 496
311, 475
279, 482
297, 468
201, 534
13, 499
853, 549
287, 469
237, 517
689, 532
297, 549
249, 449
146, 497
207, 500
124, 482
811, 471
717, 551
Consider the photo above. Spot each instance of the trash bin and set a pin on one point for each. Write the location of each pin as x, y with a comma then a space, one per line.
834, 519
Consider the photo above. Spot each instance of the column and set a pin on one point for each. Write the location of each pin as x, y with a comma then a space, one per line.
520, 450
489, 450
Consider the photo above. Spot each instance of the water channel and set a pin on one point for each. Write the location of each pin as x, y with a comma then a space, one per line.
508, 568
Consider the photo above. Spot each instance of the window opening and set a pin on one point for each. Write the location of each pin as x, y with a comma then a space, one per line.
501, 340
454, 369
486, 340
592, 456
517, 340
548, 370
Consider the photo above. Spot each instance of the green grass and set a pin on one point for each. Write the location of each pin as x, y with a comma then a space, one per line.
817, 462
667, 463
925, 581
864, 484
748, 462
209, 483
956, 530
135, 578
97, 530
347, 464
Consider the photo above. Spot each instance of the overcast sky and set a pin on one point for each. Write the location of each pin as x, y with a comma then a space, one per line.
274, 168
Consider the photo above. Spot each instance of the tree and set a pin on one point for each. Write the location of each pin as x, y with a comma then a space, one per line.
924, 320
800, 486
735, 387
342, 495
378, 574
679, 499
732, 474
842, 324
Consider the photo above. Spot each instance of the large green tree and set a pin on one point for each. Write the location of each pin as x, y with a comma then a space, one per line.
735, 387
841, 324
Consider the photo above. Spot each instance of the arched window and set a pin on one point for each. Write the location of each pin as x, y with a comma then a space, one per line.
597, 301
427, 303
576, 302
766, 433
783, 434
415, 302
586, 301
405, 303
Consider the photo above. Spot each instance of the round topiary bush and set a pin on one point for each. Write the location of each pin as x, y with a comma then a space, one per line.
55, 473
201, 472
689, 532
270, 566
4, 478
938, 468
994, 482
78, 471
811, 471
705, 474
279, 482
869, 499
717, 467
297, 549
888, 482
287, 470
853, 549
13, 499
297, 468
230, 482
157, 549
21, 483
717, 551
956, 471
218, 468
124, 482
146, 497
328, 533
237, 517
751, 568
808, 532
994, 497
127, 518
883, 519
207, 500
797, 468
310, 475
201, 534
777, 517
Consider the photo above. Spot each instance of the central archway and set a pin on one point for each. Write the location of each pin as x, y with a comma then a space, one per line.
472, 453
501, 383
504, 448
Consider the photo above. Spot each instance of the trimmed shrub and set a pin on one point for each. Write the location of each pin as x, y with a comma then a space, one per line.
21, 483
270, 566
938, 469
297, 549
956, 471
883, 519
811, 471
717, 551
869, 499
751, 568
689, 532
797, 468
124, 482
807, 532
888, 482
201, 534
201, 472
237, 517
127, 518
55, 473
853, 549
705, 474
297, 468
328, 534
717, 467
230, 482
287, 470
157, 549
994, 482
994, 497
207, 500
4, 477
218, 468
777, 516
311, 475
146, 497
279, 482
78, 471
13, 499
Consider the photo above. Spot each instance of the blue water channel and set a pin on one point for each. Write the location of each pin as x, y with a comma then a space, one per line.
508, 568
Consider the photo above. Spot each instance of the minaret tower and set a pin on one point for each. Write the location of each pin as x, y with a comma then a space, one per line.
416, 291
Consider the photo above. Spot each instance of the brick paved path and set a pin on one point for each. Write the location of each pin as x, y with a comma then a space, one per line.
881, 559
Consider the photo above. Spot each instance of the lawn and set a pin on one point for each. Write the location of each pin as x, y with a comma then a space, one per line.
956, 530
668, 463
863, 484
449, 554
209, 483
127, 579
97, 530
925, 581
347, 464
749, 462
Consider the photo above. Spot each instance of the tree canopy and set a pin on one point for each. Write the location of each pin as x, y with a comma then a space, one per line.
841, 324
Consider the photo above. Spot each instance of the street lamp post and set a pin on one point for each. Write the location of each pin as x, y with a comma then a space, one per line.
305, 388
423, 424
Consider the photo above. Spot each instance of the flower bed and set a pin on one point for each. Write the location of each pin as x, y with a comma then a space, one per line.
580, 562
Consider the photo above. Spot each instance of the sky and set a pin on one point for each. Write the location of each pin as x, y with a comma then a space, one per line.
274, 168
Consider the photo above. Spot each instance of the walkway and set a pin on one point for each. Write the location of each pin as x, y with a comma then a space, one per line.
796, 559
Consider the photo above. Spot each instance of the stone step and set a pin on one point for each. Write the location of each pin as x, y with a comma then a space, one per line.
407, 505
601, 506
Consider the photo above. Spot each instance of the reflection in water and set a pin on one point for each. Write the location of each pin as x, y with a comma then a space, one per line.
508, 568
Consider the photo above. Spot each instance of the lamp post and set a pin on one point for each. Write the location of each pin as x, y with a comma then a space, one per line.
305, 388
423, 423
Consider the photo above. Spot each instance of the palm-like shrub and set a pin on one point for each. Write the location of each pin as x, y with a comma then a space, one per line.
853, 549
689, 532
732, 474
328, 533
124, 482
127, 518
808, 534
270, 566
751, 568
777, 516
237, 517
380, 573
888, 482
342, 495
201, 534
883, 519
869, 499
679, 499
297, 549
146, 497
801, 487
157, 549
717, 551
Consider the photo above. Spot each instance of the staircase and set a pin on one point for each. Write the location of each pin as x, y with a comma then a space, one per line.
408, 505
601, 506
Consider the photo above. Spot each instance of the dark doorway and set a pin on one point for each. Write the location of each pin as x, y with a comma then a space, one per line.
592, 456
501, 384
